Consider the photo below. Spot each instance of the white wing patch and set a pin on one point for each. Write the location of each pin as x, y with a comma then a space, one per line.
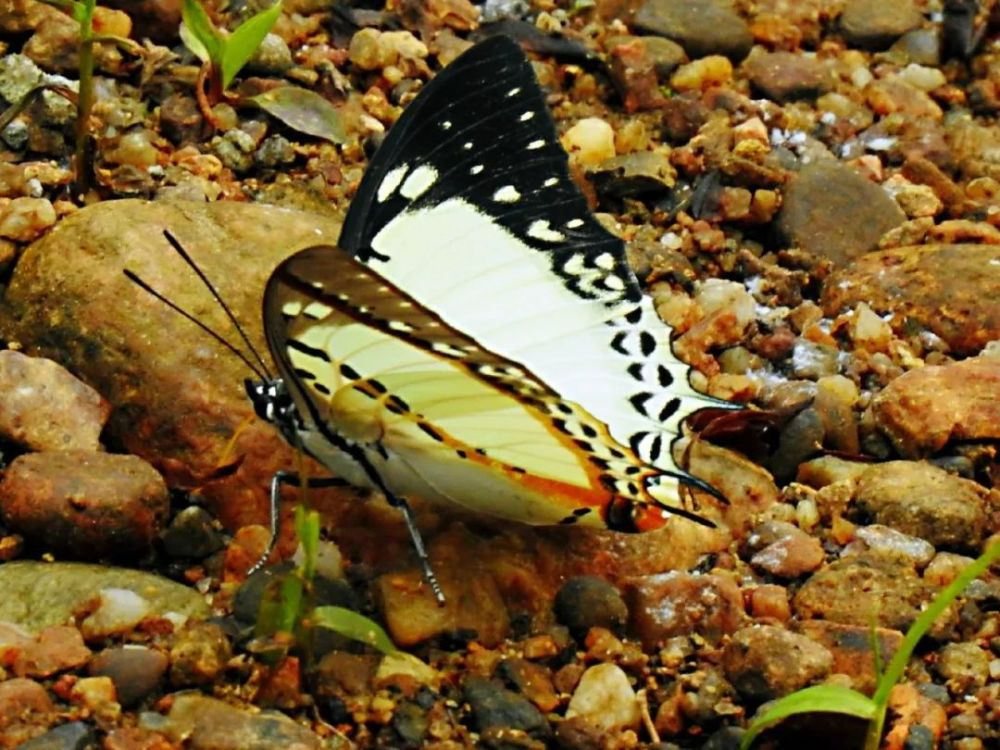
419, 182
590, 351
390, 182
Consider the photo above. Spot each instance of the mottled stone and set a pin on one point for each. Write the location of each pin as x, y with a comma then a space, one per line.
37, 595
701, 27
135, 670
851, 647
787, 76
26, 711
784, 550
832, 211
924, 501
496, 708
45, 408
198, 654
923, 409
965, 666
56, 649
947, 289
85, 504
677, 603
765, 662
860, 589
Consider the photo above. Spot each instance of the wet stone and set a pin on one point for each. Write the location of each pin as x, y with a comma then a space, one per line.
875, 26
784, 550
857, 589
45, 408
923, 501
37, 595
135, 670
851, 647
764, 662
192, 533
787, 76
924, 409
76, 735
198, 654
948, 289
495, 707
676, 603
831, 211
85, 504
605, 698
204, 723
701, 27
532, 680
56, 649
965, 666
585, 602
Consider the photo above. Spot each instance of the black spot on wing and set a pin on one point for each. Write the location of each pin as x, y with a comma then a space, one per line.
309, 351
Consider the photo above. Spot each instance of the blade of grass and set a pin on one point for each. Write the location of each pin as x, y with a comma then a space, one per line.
818, 698
245, 40
919, 628
307, 528
352, 625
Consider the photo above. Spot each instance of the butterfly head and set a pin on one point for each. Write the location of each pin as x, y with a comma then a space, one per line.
272, 402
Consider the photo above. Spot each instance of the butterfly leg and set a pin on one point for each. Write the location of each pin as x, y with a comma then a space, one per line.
418, 544
292, 479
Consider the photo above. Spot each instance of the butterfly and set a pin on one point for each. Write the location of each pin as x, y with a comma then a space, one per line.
477, 338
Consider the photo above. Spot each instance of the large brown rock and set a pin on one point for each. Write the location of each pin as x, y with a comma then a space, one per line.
924, 409
701, 27
951, 290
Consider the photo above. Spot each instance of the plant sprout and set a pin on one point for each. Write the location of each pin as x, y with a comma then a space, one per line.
222, 55
843, 700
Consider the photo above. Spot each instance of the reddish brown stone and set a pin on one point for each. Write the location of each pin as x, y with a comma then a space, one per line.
851, 646
57, 649
950, 290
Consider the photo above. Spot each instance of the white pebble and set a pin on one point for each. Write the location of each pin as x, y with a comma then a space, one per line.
606, 699
590, 142
118, 611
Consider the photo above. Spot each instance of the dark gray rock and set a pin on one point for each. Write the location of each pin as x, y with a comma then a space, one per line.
586, 602
701, 27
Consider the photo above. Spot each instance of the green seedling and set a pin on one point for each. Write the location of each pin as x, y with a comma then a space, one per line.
843, 700
222, 55
288, 613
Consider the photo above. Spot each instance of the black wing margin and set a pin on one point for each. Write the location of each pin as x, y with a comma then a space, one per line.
483, 126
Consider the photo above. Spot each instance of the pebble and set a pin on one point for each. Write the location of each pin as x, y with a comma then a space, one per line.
787, 76
875, 26
701, 27
923, 501
192, 533
118, 611
203, 723
605, 698
271, 58
96, 695
639, 173
495, 707
38, 595
135, 670
180, 119
797, 441
831, 211
769, 602
85, 504
26, 219
198, 654
533, 681
75, 735
589, 142
586, 602
851, 647
764, 662
945, 567
26, 710
784, 550
965, 666
888, 541
835, 401
924, 409
676, 603
56, 649
406, 670
134, 148
45, 408
702, 74
947, 289
860, 588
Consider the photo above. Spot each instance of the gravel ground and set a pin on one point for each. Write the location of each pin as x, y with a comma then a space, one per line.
810, 193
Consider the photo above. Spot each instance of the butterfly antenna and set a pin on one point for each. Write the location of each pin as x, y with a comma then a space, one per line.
184, 313
175, 243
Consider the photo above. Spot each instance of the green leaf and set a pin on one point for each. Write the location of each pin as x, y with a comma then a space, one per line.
307, 528
304, 111
354, 626
198, 28
245, 40
280, 606
818, 698
83, 12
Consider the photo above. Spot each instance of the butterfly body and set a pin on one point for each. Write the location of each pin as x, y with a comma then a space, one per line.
478, 339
